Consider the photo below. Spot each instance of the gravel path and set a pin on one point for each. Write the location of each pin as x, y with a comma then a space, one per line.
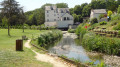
56, 61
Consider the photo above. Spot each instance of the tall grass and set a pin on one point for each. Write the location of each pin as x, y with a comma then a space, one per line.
101, 44
80, 31
49, 37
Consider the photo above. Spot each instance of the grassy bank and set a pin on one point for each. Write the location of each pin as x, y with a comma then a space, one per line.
10, 58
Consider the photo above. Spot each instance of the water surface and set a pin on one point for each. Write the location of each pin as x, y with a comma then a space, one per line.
68, 47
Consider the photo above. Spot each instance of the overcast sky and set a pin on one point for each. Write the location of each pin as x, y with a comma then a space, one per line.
34, 4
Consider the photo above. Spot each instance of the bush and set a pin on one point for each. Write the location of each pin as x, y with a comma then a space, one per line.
50, 37
101, 44
80, 31
94, 20
103, 23
115, 17
71, 30
101, 16
118, 32
117, 27
114, 23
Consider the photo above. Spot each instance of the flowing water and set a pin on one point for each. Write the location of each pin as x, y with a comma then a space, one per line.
71, 47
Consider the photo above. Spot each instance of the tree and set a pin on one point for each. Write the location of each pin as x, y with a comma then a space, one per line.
77, 18
4, 21
22, 19
118, 2
118, 11
71, 11
62, 5
86, 11
77, 10
34, 21
10, 10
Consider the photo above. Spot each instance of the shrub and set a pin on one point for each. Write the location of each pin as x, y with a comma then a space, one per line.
101, 16
117, 27
94, 20
49, 37
80, 31
103, 23
115, 17
118, 32
71, 30
101, 44
114, 23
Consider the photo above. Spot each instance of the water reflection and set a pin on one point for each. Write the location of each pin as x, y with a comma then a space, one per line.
69, 48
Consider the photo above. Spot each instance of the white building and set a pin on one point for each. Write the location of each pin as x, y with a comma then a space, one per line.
97, 12
57, 17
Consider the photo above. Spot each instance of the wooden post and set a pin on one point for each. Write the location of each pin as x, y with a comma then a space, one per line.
19, 45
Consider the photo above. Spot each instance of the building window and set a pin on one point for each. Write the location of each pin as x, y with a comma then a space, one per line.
54, 14
57, 14
47, 20
64, 18
54, 19
68, 18
58, 17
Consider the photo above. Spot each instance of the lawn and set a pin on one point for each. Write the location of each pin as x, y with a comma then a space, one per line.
11, 58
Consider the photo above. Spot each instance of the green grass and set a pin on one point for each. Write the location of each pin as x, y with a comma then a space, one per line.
11, 58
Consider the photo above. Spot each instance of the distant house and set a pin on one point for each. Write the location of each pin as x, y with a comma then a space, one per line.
57, 17
95, 13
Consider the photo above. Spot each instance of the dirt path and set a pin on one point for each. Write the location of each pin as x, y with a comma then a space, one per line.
57, 62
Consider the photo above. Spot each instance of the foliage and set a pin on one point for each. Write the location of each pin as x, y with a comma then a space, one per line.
101, 44
115, 17
94, 20
4, 21
103, 23
118, 32
49, 37
62, 5
77, 18
117, 27
101, 16
80, 31
86, 11
118, 11
109, 13
71, 30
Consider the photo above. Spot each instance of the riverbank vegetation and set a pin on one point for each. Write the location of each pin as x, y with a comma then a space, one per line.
48, 38
102, 37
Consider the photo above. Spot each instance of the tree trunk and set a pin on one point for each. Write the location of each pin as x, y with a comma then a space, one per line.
8, 30
23, 28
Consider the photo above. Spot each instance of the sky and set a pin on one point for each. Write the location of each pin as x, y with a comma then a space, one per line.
34, 4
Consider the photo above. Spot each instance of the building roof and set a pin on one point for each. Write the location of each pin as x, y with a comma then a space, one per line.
99, 10
63, 10
59, 10
50, 7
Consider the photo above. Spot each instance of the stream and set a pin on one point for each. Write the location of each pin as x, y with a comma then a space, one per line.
71, 47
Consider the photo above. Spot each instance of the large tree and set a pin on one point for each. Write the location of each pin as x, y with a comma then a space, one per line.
11, 11
62, 5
